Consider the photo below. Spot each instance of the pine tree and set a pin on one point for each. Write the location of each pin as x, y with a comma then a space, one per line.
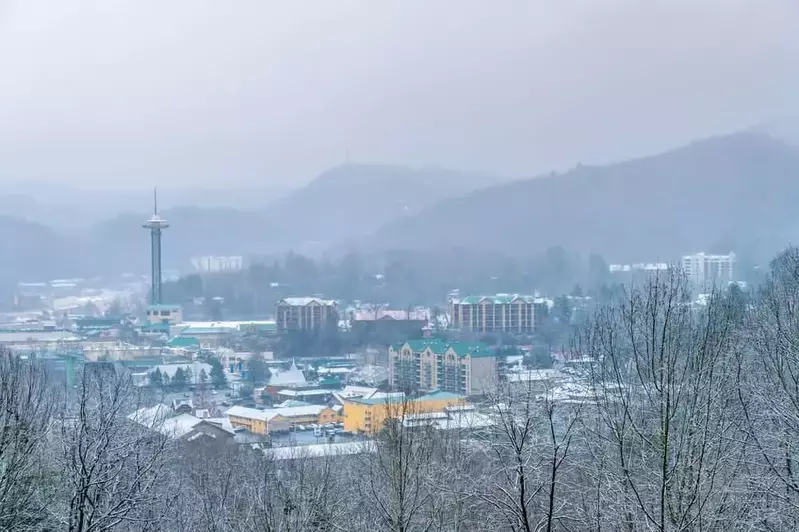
180, 380
218, 379
157, 379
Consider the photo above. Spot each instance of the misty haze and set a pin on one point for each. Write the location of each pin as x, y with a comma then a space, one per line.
407, 265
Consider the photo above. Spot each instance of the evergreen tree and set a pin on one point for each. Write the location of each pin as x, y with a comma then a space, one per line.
157, 379
258, 372
180, 380
218, 379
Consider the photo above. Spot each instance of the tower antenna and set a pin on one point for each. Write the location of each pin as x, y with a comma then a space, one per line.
155, 200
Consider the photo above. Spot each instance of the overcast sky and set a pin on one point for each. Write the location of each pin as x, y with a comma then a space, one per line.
213, 92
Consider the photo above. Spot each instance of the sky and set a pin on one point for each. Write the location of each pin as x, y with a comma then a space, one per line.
117, 93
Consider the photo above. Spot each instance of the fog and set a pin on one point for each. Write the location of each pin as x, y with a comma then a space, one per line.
200, 92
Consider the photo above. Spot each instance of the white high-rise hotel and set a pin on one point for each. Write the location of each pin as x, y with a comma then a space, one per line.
706, 271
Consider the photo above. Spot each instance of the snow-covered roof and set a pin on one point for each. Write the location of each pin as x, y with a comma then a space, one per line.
396, 315
178, 426
159, 417
151, 416
290, 377
320, 450
295, 411
303, 393
334, 371
247, 413
533, 375
304, 301
223, 422
356, 391
271, 413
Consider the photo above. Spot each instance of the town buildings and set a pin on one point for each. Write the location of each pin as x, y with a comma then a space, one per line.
369, 414
502, 313
465, 368
159, 314
372, 326
305, 314
705, 271
209, 264
273, 420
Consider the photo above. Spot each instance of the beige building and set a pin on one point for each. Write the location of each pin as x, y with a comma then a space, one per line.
463, 368
164, 314
507, 313
305, 313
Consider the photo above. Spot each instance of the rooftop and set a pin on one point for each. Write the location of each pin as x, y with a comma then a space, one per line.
305, 301
163, 307
290, 377
271, 413
440, 347
498, 299
321, 450
303, 393
389, 315
397, 397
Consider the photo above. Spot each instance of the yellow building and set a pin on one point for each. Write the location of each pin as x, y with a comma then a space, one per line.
369, 415
279, 419
465, 368
252, 419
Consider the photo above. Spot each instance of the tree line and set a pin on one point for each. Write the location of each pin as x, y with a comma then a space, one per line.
681, 419
401, 279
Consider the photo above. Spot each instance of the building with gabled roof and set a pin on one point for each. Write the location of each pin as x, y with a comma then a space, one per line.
466, 368
506, 313
290, 378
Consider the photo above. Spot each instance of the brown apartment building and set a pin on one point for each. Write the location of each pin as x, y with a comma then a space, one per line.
305, 314
507, 313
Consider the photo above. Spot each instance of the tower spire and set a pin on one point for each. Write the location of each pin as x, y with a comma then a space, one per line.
156, 225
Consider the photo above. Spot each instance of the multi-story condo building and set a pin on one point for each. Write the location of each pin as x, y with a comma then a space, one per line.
305, 314
217, 264
510, 313
463, 368
706, 271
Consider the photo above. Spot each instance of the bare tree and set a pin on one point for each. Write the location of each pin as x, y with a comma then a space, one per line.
26, 409
111, 463
768, 379
525, 453
666, 434
398, 484
302, 492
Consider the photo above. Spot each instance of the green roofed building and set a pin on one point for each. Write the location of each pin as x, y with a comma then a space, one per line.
184, 342
464, 368
506, 313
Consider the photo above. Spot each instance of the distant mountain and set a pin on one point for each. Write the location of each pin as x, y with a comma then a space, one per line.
33, 252
710, 195
76, 209
344, 203
124, 243
785, 129
352, 201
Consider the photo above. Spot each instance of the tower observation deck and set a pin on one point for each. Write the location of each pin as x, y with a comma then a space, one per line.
156, 224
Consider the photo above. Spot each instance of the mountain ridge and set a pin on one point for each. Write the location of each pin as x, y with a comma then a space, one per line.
623, 209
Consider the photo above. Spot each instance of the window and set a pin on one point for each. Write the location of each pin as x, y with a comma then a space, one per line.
164, 313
